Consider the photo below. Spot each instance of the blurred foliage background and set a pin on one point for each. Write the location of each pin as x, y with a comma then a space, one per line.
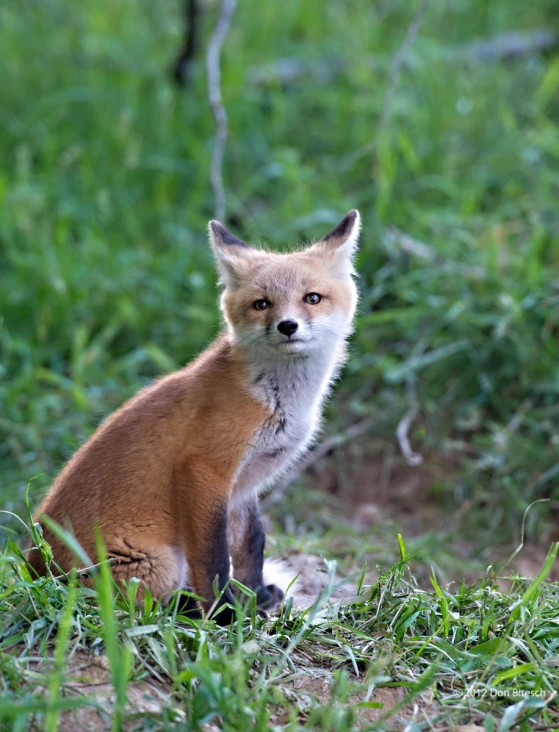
106, 279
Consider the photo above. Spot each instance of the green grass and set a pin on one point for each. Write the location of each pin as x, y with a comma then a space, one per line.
461, 653
106, 281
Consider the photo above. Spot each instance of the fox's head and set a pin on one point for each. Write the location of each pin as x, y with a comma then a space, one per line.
293, 304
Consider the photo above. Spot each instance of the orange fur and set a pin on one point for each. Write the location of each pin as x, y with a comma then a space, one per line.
128, 476
162, 475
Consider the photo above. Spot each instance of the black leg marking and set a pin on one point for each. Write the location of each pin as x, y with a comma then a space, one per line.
216, 567
247, 540
187, 605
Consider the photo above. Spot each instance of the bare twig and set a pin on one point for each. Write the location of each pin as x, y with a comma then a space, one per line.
518, 416
522, 534
513, 44
290, 70
510, 45
411, 457
393, 77
356, 430
214, 89
416, 248
396, 67
410, 245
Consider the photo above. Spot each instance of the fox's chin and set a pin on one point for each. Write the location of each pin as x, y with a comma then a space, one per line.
295, 347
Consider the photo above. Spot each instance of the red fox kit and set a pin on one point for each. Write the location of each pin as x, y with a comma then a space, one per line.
172, 478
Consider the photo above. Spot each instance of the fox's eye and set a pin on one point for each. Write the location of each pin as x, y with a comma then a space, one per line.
313, 298
261, 304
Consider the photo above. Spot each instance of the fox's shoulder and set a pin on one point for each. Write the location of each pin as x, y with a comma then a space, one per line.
204, 369
216, 382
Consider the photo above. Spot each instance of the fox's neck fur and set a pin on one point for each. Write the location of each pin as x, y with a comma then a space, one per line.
296, 385
292, 391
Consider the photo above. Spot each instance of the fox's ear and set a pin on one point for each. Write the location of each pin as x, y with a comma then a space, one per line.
230, 253
344, 238
339, 246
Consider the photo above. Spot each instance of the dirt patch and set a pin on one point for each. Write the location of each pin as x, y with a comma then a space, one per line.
313, 687
312, 579
377, 473
89, 676
374, 485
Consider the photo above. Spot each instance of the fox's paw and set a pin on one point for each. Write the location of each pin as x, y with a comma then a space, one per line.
269, 597
225, 616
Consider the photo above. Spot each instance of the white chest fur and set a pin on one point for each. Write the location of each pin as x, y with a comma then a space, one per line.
294, 392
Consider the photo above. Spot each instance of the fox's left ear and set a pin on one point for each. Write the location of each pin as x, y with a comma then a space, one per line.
230, 253
341, 243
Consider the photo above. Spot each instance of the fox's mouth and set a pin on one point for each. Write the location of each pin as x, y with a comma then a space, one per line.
293, 345
290, 341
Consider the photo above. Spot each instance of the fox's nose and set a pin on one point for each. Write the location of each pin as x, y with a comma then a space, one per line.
288, 327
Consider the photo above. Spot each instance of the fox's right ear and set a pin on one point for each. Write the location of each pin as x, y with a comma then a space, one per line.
344, 238
230, 253
339, 246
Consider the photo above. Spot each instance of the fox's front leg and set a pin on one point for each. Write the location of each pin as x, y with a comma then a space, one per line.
246, 542
204, 518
